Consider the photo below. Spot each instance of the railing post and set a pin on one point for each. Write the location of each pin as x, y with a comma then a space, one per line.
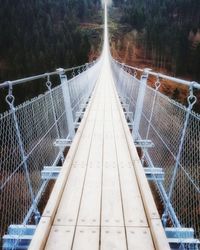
88, 86
121, 82
139, 104
67, 102
49, 85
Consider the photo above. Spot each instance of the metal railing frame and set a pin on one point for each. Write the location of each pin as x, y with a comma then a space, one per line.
87, 72
120, 71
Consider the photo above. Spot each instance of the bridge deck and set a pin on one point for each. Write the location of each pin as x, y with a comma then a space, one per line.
101, 199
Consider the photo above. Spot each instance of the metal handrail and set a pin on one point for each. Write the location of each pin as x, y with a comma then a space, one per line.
44, 75
160, 75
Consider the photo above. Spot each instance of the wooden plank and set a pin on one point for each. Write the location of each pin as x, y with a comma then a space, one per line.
112, 214
42, 231
134, 212
147, 197
159, 236
139, 238
60, 237
56, 194
113, 238
89, 213
53, 202
148, 200
86, 238
70, 202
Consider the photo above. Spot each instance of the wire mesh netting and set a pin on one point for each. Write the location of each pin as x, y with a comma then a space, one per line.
162, 122
128, 85
27, 136
80, 88
37, 131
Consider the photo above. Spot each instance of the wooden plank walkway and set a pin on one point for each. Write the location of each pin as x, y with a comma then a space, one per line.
101, 199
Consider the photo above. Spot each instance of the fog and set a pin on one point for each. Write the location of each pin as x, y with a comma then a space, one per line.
109, 2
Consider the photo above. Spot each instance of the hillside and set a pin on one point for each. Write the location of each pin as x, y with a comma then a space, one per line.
161, 35
40, 35
165, 34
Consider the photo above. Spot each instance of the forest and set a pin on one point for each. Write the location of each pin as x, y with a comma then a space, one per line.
170, 32
39, 35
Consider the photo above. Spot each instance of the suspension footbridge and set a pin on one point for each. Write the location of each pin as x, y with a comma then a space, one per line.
101, 197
